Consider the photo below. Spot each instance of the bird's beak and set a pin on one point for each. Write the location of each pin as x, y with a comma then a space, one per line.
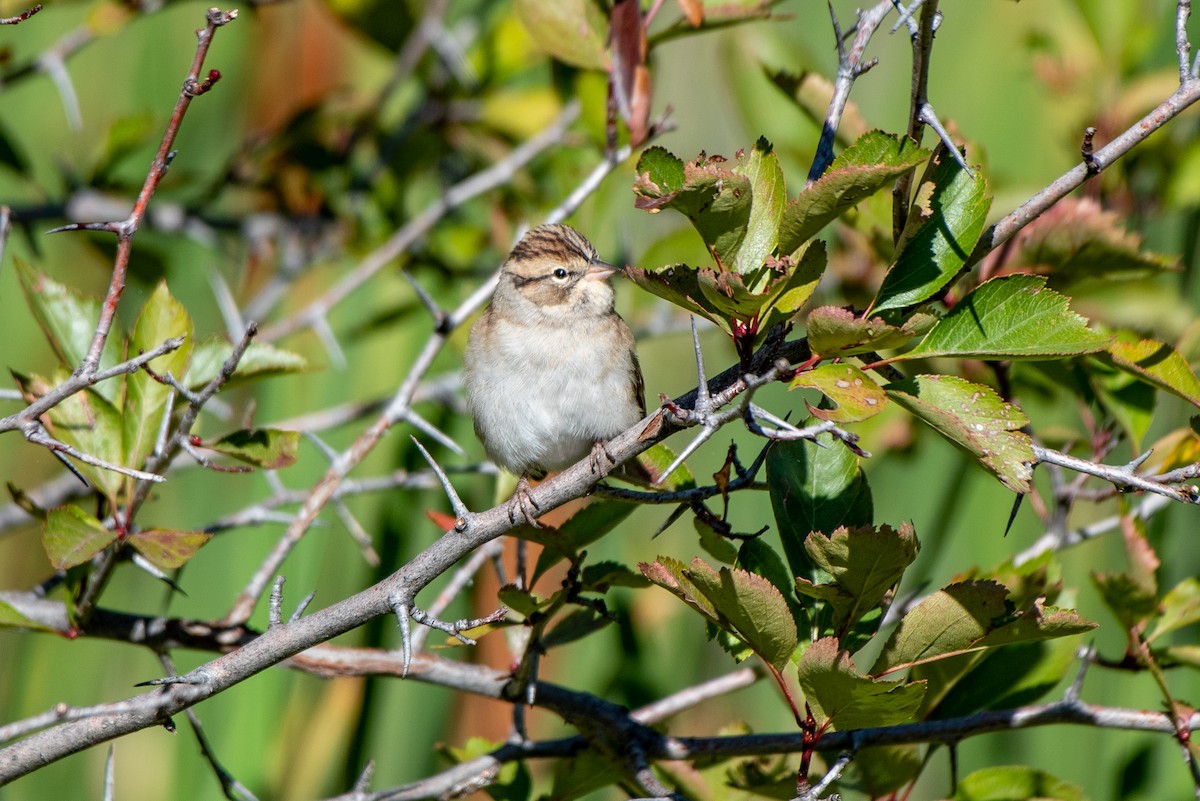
600, 271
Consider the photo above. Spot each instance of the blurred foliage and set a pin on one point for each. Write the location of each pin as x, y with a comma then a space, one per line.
336, 123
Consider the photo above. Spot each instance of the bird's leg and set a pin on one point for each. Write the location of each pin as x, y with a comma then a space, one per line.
524, 503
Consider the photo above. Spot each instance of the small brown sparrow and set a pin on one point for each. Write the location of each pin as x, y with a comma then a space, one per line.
550, 367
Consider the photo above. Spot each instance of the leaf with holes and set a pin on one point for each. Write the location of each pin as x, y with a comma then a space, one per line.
855, 395
973, 418
1015, 317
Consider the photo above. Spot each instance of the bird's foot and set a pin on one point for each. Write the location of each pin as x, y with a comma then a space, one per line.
523, 504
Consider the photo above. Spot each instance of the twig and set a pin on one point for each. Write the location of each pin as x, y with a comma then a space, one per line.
126, 229
19, 18
850, 67
1120, 476
922, 45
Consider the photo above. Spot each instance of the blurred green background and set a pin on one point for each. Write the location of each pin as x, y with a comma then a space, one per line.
1017, 81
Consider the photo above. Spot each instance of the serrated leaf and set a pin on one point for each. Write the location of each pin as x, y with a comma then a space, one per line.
751, 607
1014, 317
768, 196
679, 284
672, 575
788, 295
945, 220
873, 162
855, 395
1179, 607
71, 536
659, 173
834, 331
715, 196
265, 448
161, 318
865, 564
815, 486
572, 31
1015, 782
973, 418
167, 548
736, 601
968, 616
1077, 239
843, 698
259, 361
1156, 363
68, 319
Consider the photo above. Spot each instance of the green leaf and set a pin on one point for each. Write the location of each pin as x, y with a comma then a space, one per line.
855, 395
974, 419
162, 317
1180, 607
968, 616
265, 448
679, 284
68, 319
843, 698
575, 626
1014, 317
1127, 399
672, 575
577, 532
1130, 600
873, 162
945, 220
1156, 363
739, 602
1078, 240
1000, 678
1015, 783
572, 31
767, 199
659, 173
168, 549
600, 576
865, 564
834, 331
656, 459
86, 421
71, 536
815, 486
259, 361
520, 600
792, 285
11, 618
717, 199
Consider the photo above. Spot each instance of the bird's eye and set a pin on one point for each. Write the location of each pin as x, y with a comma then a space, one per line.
560, 273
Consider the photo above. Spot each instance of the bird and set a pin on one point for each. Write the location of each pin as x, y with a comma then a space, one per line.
550, 369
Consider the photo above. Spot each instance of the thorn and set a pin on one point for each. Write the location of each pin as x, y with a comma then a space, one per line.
405, 638
461, 513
